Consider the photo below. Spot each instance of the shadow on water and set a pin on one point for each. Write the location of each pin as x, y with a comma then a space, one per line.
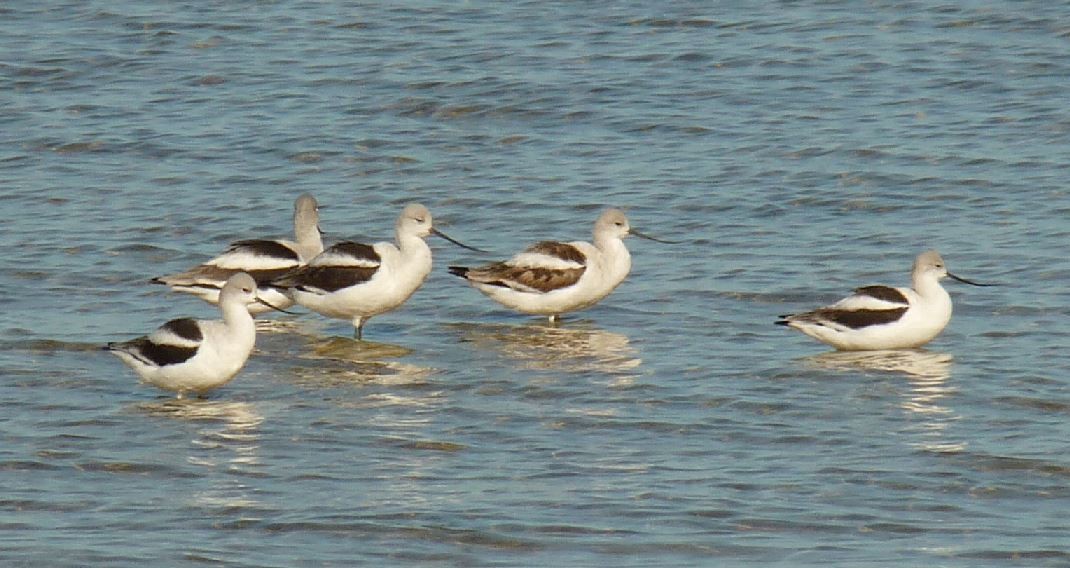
928, 374
542, 346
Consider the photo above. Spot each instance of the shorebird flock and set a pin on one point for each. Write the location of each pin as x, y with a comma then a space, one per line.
355, 281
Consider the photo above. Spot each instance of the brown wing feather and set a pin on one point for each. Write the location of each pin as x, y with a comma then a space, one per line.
531, 278
555, 249
541, 279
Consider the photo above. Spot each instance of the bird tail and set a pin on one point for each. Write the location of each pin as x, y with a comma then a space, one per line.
461, 271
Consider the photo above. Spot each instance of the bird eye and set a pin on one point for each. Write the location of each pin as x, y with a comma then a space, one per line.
619, 224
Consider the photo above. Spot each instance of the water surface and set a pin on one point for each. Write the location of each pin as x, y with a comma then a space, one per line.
798, 150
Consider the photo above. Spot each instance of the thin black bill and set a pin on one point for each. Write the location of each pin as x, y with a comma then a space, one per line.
649, 238
439, 233
964, 281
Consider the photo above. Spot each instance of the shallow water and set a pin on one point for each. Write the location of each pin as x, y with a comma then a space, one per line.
799, 150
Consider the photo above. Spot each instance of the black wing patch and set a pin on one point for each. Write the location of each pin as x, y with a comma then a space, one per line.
155, 353
332, 278
858, 319
260, 247
885, 293
186, 328
264, 278
355, 250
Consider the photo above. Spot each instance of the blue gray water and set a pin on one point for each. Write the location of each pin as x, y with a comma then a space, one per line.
798, 149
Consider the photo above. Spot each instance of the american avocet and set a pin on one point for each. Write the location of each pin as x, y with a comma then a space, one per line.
355, 281
260, 258
882, 317
193, 356
552, 278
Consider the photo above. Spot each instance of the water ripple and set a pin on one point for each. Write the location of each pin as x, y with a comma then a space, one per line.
795, 151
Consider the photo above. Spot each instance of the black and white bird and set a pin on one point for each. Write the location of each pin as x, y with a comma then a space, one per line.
191, 356
262, 259
883, 317
355, 281
551, 278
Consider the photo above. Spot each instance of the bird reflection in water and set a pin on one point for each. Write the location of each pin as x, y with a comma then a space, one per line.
928, 373
336, 361
542, 347
370, 380
281, 325
228, 437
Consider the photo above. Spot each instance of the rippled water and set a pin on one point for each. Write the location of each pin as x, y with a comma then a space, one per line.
799, 149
